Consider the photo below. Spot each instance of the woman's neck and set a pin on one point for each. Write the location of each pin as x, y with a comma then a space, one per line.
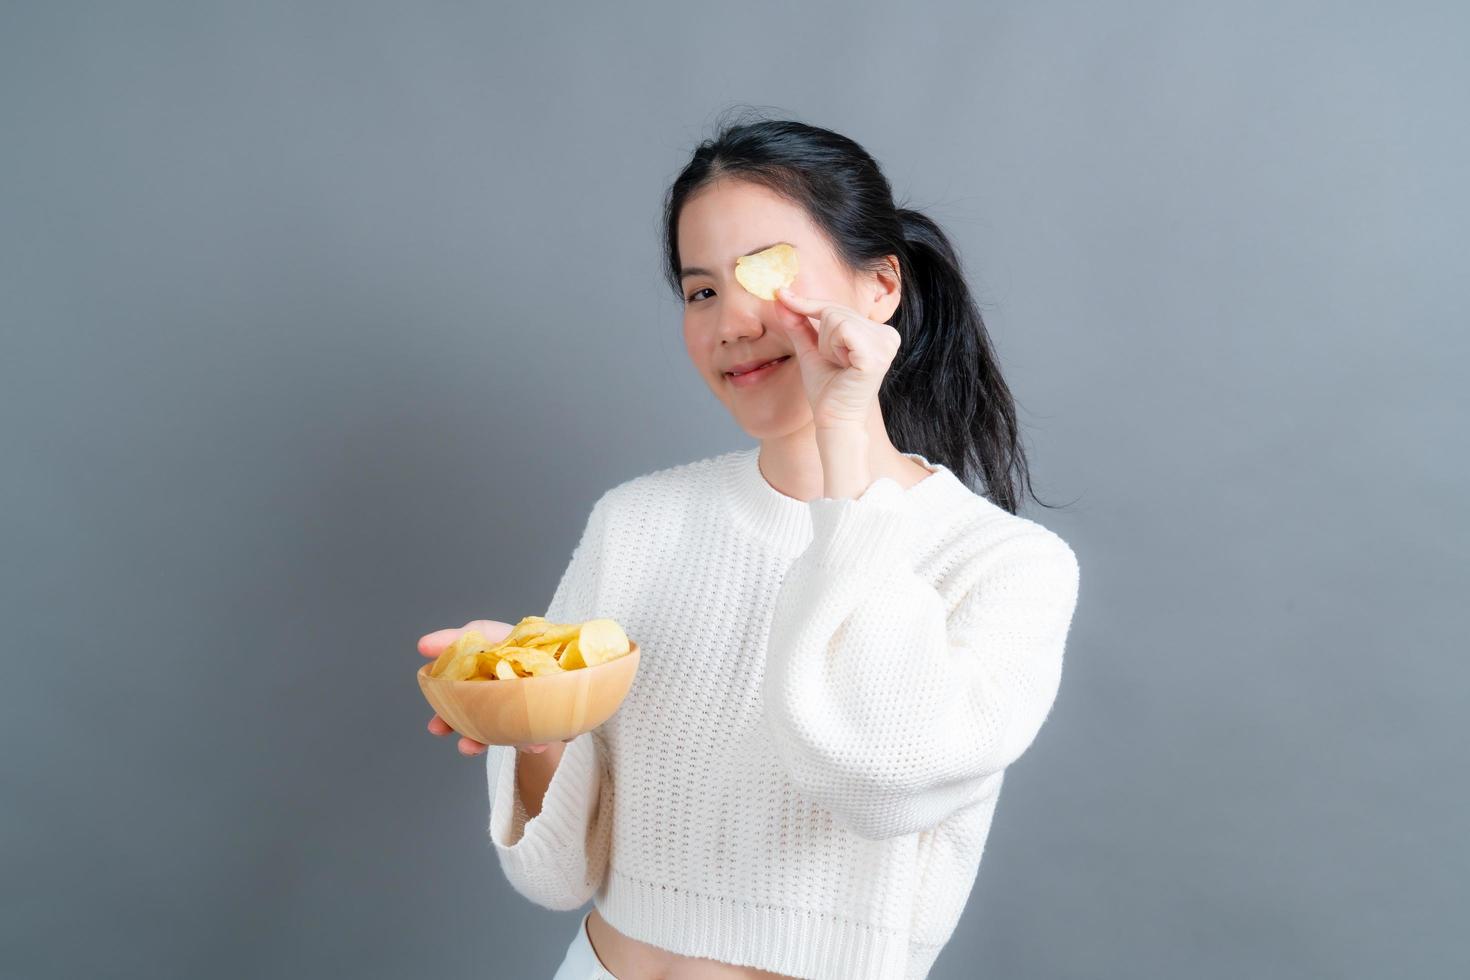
793, 465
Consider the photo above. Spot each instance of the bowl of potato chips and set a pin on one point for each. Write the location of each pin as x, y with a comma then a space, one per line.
543, 682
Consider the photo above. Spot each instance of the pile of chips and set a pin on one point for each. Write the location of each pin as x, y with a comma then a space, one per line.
535, 646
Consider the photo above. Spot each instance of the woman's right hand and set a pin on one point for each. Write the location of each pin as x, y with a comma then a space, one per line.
433, 644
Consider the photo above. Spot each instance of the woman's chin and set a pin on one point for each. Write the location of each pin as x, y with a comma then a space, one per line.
769, 426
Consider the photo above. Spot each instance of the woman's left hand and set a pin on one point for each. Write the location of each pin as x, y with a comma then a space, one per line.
843, 358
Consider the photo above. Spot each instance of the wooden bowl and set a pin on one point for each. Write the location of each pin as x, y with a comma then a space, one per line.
527, 710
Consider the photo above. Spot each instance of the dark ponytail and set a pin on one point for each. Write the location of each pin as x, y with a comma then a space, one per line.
943, 397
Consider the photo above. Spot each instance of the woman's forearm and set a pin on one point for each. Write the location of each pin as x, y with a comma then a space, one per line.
533, 774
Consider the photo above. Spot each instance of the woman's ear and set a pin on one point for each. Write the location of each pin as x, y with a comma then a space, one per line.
884, 290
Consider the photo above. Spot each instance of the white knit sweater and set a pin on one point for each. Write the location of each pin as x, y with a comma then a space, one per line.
803, 774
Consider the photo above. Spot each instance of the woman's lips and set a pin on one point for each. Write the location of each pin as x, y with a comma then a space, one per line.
753, 377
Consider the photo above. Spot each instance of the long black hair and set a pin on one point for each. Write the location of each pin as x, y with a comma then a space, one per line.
943, 397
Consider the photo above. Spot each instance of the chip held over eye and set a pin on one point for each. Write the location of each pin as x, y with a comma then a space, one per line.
767, 270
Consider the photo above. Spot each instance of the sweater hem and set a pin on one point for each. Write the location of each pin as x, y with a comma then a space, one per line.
797, 942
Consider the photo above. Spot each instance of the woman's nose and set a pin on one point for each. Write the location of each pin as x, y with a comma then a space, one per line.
742, 320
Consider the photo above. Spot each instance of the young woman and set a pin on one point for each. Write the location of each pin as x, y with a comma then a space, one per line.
844, 645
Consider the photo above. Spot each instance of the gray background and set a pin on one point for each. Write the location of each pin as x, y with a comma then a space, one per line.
314, 313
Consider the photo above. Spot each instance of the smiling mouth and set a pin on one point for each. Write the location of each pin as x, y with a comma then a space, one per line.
732, 374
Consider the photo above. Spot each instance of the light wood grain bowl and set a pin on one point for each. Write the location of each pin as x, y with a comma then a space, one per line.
532, 709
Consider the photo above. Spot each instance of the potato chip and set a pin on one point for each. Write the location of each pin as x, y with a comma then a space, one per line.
461, 668
436, 668
531, 660
527, 629
470, 641
556, 633
600, 641
767, 270
571, 656
467, 642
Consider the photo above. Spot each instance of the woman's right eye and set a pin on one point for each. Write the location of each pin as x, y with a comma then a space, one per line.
690, 297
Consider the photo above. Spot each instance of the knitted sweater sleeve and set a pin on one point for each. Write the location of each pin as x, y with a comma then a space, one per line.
884, 707
558, 858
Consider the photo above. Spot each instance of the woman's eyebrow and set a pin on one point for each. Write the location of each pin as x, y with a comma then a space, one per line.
694, 270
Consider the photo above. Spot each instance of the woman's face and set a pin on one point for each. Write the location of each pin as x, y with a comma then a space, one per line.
725, 325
